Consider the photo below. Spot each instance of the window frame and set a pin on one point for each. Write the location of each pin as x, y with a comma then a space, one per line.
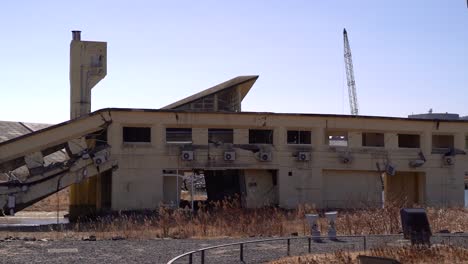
270, 137
363, 135
406, 134
299, 137
211, 130
136, 141
190, 130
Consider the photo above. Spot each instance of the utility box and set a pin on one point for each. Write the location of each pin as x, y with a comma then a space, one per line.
415, 225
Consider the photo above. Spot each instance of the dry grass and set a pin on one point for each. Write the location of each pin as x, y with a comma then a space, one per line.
442, 254
228, 219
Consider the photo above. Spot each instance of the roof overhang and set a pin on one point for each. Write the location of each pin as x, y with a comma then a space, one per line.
244, 83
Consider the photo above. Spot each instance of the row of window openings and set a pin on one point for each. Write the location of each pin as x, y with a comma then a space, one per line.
265, 136
216, 136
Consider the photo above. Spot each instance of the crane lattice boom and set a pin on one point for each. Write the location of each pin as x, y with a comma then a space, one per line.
353, 103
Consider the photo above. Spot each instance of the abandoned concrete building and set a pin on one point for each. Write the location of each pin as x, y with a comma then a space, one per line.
133, 159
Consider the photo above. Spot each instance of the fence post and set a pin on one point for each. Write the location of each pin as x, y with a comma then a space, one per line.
190, 260
365, 242
242, 252
203, 257
289, 245
310, 251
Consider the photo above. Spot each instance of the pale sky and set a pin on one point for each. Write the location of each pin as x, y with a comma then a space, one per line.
409, 56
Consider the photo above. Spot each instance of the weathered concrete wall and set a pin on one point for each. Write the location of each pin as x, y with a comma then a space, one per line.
139, 182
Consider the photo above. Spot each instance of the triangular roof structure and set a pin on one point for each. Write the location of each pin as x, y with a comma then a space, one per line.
226, 96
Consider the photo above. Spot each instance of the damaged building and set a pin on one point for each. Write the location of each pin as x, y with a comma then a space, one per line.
263, 158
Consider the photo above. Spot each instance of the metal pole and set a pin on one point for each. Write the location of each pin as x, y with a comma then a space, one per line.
309, 240
190, 260
242, 252
203, 257
365, 242
191, 195
177, 188
289, 245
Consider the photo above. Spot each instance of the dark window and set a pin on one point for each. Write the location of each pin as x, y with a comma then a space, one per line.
260, 136
219, 136
408, 141
137, 134
299, 137
373, 139
179, 135
442, 141
466, 142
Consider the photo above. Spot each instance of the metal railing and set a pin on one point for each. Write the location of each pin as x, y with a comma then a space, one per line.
309, 239
241, 246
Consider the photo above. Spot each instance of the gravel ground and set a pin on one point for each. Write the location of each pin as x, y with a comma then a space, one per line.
162, 250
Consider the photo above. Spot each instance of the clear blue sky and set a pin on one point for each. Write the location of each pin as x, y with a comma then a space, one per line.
409, 56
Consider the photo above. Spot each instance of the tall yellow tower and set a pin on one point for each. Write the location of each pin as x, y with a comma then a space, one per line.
88, 66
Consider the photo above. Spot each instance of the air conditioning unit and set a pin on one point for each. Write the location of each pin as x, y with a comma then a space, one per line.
264, 156
229, 155
449, 160
303, 156
416, 163
187, 155
390, 170
100, 158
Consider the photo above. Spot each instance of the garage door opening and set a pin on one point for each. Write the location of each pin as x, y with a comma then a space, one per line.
405, 188
224, 184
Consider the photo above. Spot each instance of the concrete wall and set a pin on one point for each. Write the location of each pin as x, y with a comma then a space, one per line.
138, 183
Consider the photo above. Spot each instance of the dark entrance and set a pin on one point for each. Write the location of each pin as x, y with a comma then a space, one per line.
222, 184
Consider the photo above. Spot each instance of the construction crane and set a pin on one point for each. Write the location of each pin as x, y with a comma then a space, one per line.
353, 103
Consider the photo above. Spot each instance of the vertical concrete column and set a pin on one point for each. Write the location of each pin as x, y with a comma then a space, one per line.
318, 137
241, 136
391, 140
426, 142
460, 140
354, 139
200, 136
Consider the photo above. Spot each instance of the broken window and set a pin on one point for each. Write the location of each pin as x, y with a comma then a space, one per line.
299, 137
442, 141
337, 138
179, 135
409, 141
373, 140
136, 134
219, 136
260, 136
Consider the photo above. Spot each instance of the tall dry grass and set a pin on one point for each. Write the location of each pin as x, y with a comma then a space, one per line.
441, 254
227, 219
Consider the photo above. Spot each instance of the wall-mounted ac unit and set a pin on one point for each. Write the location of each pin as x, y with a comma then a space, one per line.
229, 155
101, 158
264, 156
303, 156
449, 160
416, 163
187, 155
390, 169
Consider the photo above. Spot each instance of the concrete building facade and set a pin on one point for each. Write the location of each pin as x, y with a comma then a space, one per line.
411, 159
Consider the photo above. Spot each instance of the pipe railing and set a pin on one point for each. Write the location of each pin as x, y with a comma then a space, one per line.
241, 246
309, 239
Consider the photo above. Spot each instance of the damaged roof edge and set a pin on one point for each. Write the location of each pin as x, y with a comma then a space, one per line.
110, 110
239, 80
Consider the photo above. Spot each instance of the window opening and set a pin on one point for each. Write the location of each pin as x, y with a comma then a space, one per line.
299, 137
179, 135
260, 136
136, 134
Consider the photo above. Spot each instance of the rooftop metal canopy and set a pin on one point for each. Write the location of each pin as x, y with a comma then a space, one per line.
224, 97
